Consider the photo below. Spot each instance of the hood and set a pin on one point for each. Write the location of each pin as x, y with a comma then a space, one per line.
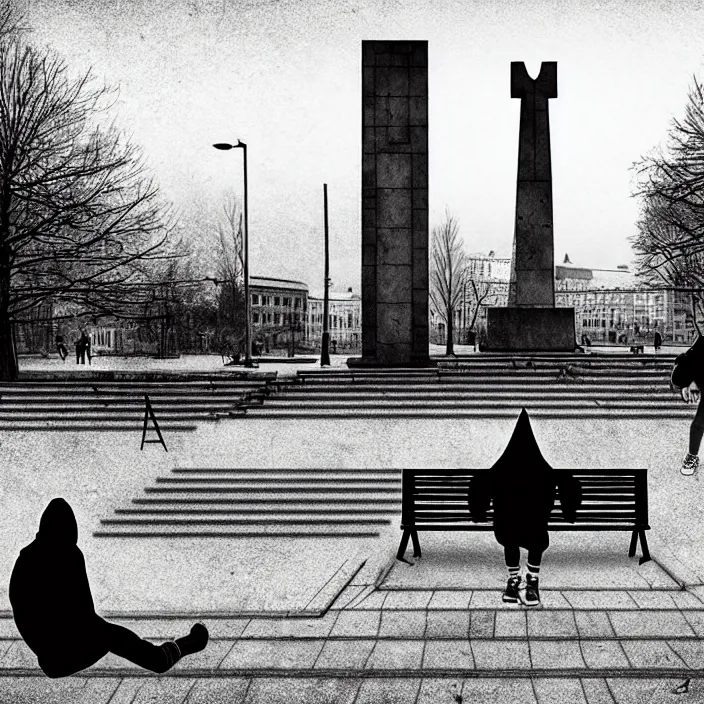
522, 455
58, 523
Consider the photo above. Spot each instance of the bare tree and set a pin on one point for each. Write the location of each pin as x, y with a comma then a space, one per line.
448, 272
230, 277
80, 218
669, 243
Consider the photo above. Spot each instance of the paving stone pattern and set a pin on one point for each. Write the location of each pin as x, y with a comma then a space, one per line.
434, 646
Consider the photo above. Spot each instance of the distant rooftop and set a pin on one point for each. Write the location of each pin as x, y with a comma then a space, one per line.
270, 282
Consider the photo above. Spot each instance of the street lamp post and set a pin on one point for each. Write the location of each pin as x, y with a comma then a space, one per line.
245, 257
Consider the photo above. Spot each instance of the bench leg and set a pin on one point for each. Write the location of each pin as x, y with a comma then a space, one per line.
403, 545
634, 542
416, 543
643, 548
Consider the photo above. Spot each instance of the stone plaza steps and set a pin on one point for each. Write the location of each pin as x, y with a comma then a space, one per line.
248, 503
483, 386
119, 405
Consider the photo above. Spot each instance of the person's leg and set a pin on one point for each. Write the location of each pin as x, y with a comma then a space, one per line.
128, 645
690, 464
157, 658
512, 555
534, 558
696, 430
530, 596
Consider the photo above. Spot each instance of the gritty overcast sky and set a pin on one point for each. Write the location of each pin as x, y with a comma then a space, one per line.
284, 76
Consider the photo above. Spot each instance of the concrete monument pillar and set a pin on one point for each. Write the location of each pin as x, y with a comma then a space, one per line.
394, 203
531, 321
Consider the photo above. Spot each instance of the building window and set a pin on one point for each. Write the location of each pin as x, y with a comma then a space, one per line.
297, 303
287, 301
349, 320
268, 317
255, 299
255, 317
277, 318
277, 301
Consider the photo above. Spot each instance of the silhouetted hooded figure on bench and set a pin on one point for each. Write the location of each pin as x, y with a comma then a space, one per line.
523, 487
54, 613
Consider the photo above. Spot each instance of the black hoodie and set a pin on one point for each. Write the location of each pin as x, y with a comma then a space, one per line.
523, 487
51, 599
689, 366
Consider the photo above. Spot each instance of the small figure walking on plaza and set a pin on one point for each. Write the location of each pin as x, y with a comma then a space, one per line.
61, 347
688, 376
657, 341
523, 488
54, 613
84, 347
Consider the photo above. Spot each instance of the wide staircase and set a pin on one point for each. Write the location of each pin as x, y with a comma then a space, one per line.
250, 503
119, 404
487, 386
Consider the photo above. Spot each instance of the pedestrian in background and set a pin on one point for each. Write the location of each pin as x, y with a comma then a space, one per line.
657, 340
61, 347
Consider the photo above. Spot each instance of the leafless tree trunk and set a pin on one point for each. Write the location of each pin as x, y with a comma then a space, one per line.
481, 292
448, 271
80, 218
230, 268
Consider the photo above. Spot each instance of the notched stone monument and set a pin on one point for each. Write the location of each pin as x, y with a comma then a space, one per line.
531, 321
394, 203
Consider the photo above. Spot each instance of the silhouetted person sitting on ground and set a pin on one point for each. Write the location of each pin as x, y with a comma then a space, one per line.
53, 607
523, 487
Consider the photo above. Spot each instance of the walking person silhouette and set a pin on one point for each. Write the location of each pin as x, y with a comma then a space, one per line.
523, 488
688, 376
54, 613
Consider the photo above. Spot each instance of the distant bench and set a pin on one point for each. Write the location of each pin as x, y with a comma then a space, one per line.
637, 349
612, 499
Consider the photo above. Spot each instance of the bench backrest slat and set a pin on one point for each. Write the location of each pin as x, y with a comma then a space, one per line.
608, 496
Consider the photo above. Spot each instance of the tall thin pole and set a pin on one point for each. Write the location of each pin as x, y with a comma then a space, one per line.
464, 313
324, 353
245, 258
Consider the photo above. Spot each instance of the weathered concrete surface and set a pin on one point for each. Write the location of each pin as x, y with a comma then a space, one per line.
531, 321
531, 329
532, 279
394, 203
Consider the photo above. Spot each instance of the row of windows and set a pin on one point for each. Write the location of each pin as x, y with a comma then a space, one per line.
332, 320
273, 318
260, 299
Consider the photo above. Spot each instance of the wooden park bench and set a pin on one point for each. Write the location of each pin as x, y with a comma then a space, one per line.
637, 349
612, 499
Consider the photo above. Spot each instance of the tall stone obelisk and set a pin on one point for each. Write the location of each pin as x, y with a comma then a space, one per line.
394, 204
531, 321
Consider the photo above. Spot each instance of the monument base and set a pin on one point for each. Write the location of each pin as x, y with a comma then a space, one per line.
530, 329
368, 362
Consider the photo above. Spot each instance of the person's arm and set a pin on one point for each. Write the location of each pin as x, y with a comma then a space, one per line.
691, 393
480, 494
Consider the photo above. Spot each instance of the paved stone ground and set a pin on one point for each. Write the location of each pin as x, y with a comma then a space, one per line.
376, 645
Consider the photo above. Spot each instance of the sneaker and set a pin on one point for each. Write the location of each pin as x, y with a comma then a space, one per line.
690, 464
511, 592
194, 642
530, 594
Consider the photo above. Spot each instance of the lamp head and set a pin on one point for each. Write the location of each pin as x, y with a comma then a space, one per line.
222, 145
